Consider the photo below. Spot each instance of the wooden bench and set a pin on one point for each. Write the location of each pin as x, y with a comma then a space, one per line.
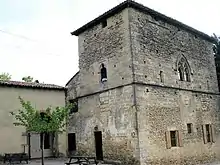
82, 160
15, 157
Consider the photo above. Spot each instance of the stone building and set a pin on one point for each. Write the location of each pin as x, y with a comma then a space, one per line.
13, 139
146, 87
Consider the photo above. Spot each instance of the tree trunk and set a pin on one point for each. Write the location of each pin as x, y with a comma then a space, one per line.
42, 148
52, 144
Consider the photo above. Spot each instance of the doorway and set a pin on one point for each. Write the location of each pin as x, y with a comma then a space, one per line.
98, 145
71, 143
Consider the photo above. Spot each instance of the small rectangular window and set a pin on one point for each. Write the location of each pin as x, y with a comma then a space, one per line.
173, 138
189, 127
208, 133
104, 23
75, 106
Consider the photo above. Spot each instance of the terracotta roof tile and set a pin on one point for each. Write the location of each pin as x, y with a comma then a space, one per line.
30, 85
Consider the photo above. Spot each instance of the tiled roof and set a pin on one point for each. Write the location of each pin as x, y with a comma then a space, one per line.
30, 85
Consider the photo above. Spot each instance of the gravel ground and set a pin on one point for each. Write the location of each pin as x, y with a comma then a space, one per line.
62, 162
46, 162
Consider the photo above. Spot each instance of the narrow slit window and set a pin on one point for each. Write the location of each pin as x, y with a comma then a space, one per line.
161, 76
103, 73
189, 127
180, 74
208, 133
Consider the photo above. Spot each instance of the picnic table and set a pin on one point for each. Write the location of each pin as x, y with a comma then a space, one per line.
15, 157
82, 160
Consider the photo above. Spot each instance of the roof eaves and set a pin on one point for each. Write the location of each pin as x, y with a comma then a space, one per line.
142, 8
97, 20
72, 78
170, 20
32, 86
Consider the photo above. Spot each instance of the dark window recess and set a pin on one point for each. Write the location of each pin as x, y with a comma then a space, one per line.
173, 138
46, 141
189, 127
104, 23
208, 133
103, 73
180, 74
75, 106
161, 76
71, 142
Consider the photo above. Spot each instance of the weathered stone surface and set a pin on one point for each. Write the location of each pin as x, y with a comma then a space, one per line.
157, 47
143, 96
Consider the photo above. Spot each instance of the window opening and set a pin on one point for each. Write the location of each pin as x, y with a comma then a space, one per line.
104, 23
183, 70
71, 142
161, 76
189, 127
173, 138
47, 141
103, 73
208, 134
75, 106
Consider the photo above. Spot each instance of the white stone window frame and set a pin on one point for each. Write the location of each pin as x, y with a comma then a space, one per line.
183, 69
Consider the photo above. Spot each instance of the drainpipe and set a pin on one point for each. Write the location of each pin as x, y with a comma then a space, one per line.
133, 81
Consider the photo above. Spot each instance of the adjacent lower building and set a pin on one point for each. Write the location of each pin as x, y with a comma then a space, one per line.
146, 90
13, 139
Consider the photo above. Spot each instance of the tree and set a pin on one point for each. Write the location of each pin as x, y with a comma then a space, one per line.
50, 120
5, 77
216, 46
216, 49
28, 79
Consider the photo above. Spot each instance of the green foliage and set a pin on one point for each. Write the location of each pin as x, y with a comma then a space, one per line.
5, 77
216, 47
28, 79
51, 120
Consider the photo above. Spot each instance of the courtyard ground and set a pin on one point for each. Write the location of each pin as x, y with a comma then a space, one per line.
46, 162
62, 162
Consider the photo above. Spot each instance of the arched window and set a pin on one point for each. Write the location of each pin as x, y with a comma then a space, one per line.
183, 69
103, 73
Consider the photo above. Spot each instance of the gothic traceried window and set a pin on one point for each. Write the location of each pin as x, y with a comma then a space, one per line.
183, 70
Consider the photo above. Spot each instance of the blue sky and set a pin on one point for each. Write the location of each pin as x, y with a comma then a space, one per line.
40, 44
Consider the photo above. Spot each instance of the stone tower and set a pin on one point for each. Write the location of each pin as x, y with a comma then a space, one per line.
146, 89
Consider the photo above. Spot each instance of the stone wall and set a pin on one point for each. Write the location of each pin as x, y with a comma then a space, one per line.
109, 45
163, 109
164, 102
157, 47
171, 104
73, 87
112, 113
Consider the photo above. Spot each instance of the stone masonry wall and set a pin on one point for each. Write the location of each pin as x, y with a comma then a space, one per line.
112, 112
73, 87
157, 47
108, 45
163, 109
165, 106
